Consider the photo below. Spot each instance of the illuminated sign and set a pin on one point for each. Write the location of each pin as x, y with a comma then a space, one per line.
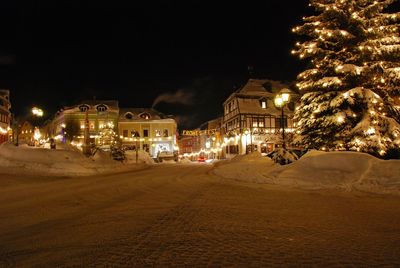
199, 132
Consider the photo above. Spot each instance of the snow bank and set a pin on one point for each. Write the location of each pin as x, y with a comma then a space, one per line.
62, 162
143, 157
250, 167
320, 170
185, 161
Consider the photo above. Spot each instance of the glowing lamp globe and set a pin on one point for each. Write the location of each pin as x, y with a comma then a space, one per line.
278, 101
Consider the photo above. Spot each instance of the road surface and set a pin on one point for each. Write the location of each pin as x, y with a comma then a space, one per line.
184, 216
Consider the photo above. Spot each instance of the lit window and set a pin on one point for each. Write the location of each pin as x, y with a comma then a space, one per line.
264, 104
158, 133
145, 116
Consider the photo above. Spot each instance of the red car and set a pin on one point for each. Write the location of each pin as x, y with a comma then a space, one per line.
202, 158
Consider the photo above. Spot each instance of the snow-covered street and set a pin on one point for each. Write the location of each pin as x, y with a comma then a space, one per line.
184, 215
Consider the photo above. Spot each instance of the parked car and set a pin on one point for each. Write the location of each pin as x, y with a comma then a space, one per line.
202, 157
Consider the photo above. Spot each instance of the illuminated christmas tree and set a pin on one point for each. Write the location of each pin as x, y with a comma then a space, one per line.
351, 91
108, 137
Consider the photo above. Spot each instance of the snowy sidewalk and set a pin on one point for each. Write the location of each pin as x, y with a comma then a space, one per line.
318, 170
25, 160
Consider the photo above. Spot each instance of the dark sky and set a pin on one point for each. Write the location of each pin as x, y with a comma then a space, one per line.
53, 55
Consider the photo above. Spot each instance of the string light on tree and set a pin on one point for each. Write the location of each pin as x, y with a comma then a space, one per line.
349, 93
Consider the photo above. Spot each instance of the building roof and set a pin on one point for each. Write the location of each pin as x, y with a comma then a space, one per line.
258, 88
136, 112
249, 96
111, 104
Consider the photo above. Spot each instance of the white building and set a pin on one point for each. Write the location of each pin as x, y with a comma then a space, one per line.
252, 122
147, 130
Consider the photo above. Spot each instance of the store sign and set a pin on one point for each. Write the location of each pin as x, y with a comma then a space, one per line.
199, 132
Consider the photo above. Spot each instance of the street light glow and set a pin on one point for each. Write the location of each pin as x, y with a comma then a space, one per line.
36, 111
278, 101
285, 97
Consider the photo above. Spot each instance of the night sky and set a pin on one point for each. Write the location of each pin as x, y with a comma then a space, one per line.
52, 55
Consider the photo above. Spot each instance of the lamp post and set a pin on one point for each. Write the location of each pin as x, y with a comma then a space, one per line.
38, 113
280, 101
137, 136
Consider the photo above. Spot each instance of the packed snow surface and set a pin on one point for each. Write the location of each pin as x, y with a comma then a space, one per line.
319, 170
66, 161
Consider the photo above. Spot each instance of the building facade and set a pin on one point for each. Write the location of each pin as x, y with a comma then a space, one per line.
251, 120
70, 122
26, 133
148, 130
5, 115
205, 141
189, 144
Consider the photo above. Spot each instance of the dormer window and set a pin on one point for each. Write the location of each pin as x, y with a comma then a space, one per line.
101, 108
263, 103
144, 116
129, 116
84, 108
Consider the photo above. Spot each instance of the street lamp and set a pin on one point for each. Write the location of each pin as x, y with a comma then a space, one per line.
137, 136
280, 101
37, 112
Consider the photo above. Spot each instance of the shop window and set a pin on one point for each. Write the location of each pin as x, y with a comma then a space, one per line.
146, 147
278, 122
232, 149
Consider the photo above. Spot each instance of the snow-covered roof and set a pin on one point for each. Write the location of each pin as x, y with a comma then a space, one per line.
259, 88
137, 112
249, 96
111, 104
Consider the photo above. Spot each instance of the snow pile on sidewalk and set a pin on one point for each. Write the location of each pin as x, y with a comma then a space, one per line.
283, 156
62, 162
250, 167
320, 170
185, 161
143, 157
